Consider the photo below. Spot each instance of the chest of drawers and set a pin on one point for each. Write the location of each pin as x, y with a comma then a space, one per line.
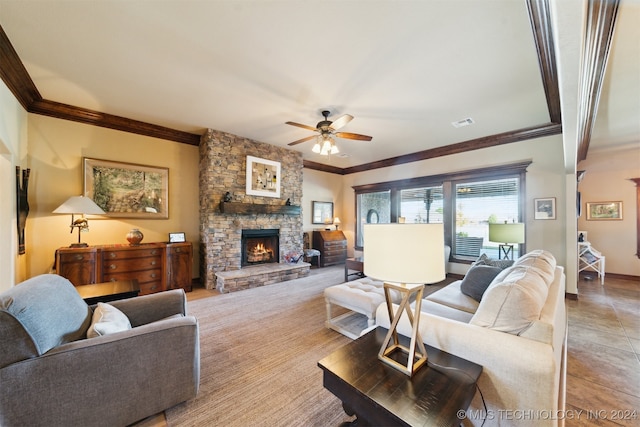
156, 266
332, 246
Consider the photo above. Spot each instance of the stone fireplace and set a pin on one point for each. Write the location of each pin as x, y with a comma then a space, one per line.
223, 160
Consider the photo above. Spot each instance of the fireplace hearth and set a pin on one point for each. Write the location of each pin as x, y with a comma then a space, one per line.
260, 246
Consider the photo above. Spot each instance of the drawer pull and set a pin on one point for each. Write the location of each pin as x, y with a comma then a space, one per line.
79, 257
154, 287
178, 250
153, 275
154, 252
112, 254
112, 267
153, 263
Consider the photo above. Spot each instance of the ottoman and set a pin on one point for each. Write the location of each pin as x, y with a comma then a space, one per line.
360, 296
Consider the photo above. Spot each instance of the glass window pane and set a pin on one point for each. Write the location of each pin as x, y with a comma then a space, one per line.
477, 204
421, 205
372, 208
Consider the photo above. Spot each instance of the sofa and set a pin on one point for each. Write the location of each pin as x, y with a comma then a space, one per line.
142, 356
515, 328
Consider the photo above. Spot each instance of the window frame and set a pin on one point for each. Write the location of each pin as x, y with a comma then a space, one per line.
447, 180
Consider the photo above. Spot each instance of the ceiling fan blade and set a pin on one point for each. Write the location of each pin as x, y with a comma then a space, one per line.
341, 121
301, 126
348, 135
303, 140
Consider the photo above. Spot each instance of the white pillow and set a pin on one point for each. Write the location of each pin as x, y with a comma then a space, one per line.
107, 320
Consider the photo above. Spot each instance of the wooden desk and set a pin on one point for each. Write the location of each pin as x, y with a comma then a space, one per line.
356, 264
381, 395
108, 291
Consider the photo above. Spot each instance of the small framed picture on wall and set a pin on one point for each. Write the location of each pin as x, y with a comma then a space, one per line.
544, 208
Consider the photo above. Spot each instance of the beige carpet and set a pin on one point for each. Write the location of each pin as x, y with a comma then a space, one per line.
259, 354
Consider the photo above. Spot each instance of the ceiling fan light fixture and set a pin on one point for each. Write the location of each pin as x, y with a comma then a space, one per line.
316, 147
334, 149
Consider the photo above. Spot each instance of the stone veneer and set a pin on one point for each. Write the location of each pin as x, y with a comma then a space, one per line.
223, 160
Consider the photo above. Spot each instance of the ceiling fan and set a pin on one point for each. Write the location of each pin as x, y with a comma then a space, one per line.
327, 129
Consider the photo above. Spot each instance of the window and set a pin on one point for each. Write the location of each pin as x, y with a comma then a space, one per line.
422, 205
372, 208
466, 202
478, 203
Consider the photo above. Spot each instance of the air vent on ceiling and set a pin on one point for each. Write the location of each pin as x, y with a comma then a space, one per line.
464, 122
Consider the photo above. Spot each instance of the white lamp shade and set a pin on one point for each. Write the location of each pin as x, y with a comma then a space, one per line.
79, 205
506, 233
404, 253
336, 220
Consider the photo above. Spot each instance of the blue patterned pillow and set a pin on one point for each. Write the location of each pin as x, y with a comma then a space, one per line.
500, 263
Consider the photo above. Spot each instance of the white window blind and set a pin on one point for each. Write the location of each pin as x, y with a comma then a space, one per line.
477, 204
422, 205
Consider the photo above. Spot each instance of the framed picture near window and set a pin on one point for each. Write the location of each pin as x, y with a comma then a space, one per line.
263, 177
127, 190
322, 212
603, 211
544, 208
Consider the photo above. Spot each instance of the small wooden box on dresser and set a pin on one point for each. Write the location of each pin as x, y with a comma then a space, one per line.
332, 245
156, 266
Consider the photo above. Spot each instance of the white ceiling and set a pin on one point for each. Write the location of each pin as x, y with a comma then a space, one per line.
404, 69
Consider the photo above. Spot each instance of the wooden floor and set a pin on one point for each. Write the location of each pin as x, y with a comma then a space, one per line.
603, 370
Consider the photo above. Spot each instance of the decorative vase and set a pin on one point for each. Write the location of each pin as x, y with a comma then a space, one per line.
134, 237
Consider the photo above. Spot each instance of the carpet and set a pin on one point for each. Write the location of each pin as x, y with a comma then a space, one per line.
259, 350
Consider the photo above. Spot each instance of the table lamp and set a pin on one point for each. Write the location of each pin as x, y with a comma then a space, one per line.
336, 222
404, 257
79, 205
507, 234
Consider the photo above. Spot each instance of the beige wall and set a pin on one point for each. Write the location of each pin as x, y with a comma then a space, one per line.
321, 187
545, 178
607, 179
13, 148
56, 149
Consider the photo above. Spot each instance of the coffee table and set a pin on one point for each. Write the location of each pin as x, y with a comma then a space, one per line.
108, 291
381, 395
356, 264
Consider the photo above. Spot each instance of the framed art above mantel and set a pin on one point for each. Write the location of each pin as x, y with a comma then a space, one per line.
127, 190
263, 177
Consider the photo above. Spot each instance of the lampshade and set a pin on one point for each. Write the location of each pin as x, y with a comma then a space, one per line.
404, 253
506, 233
336, 220
79, 205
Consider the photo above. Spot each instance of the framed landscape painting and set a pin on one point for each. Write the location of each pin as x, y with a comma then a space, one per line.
602, 211
127, 190
545, 208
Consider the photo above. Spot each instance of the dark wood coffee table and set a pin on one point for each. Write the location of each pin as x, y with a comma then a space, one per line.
380, 395
356, 264
108, 291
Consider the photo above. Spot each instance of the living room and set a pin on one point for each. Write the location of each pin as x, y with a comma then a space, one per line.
53, 148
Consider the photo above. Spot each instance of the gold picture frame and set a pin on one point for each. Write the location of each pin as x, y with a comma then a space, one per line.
604, 211
263, 177
127, 190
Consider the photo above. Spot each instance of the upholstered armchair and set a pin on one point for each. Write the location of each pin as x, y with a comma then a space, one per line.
51, 374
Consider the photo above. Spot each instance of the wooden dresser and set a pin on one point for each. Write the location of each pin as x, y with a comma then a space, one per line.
156, 266
332, 245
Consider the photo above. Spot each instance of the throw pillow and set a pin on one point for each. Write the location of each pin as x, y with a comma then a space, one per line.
107, 320
500, 263
477, 279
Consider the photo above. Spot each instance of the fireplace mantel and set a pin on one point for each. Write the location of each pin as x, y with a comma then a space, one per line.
254, 208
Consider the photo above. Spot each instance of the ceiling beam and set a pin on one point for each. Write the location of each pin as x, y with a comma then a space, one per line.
601, 20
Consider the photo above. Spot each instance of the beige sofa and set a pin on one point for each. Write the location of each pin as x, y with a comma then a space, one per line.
517, 333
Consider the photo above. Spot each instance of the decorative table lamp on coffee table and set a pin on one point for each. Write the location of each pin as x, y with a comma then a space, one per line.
405, 257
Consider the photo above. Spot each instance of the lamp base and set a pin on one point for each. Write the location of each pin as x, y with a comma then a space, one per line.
505, 250
78, 245
414, 359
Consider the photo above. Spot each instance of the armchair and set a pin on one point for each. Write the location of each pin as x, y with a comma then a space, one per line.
51, 374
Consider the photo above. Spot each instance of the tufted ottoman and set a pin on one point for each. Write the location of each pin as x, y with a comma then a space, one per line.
360, 296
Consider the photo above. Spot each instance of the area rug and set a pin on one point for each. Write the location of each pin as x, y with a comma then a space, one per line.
259, 353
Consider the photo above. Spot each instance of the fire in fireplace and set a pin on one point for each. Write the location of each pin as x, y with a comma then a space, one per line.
260, 246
